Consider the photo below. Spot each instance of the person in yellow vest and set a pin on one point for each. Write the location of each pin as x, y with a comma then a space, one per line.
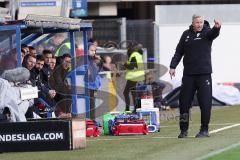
134, 73
63, 48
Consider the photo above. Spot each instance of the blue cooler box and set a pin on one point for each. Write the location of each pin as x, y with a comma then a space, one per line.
151, 117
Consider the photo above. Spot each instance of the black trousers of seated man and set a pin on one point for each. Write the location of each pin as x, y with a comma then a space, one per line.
129, 88
202, 85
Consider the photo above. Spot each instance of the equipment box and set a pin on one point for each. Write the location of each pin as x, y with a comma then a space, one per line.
122, 128
151, 117
108, 120
43, 135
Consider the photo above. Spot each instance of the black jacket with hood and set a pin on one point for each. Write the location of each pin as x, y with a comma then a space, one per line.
195, 48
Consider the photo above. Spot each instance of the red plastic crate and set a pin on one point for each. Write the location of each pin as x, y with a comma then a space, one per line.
130, 129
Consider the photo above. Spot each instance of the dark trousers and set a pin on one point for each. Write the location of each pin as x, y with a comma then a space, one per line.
92, 103
202, 85
130, 87
63, 104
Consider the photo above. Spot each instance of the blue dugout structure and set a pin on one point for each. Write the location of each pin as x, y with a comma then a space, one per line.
29, 30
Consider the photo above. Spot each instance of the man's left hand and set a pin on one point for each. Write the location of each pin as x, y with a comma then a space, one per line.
217, 23
97, 57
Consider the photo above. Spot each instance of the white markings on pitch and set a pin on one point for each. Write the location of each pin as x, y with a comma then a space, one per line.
212, 124
166, 137
223, 149
214, 153
224, 128
131, 138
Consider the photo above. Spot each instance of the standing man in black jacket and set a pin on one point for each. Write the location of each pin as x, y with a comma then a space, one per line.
195, 48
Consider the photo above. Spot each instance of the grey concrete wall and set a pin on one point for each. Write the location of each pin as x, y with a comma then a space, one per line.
181, 14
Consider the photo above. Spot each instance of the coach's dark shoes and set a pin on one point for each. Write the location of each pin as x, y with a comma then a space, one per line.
183, 134
202, 134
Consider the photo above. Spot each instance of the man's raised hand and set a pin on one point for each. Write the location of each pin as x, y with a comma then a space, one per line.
217, 23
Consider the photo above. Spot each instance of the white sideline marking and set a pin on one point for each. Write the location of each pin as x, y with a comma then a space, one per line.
211, 124
137, 138
214, 153
223, 149
108, 139
224, 128
165, 137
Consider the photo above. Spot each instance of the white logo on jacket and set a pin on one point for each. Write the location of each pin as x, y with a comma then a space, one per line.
187, 38
207, 82
198, 38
